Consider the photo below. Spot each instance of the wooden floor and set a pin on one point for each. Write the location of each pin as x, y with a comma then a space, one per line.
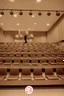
36, 92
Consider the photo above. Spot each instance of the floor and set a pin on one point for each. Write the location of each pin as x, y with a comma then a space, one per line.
36, 92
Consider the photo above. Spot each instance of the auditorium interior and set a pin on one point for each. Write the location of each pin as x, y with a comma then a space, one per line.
32, 47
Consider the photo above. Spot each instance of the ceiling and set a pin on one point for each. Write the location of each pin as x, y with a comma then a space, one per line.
26, 22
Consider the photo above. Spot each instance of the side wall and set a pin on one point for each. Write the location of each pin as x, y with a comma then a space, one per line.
57, 32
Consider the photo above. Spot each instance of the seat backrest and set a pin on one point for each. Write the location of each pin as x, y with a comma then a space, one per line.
14, 71
3, 71
37, 71
26, 71
49, 71
60, 71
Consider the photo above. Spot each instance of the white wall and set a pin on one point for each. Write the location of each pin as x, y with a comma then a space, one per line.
57, 32
39, 37
8, 36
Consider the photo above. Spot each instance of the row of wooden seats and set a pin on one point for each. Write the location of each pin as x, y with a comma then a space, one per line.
29, 54
32, 61
37, 73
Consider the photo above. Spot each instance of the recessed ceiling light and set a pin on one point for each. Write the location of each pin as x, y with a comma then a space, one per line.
17, 24
33, 16
11, 0
15, 15
0, 15
48, 24
35, 23
28, 29
2, 24
38, 1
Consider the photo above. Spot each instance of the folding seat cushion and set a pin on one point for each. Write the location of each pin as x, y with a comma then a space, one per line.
25, 61
50, 74
44, 61
18, 54
52, 54
25, 54
1, 60
14, 74
11, 54
26, 73
35, 61
60, 60
16, 61
5, 54
32, 54
7, 61
37, 73
60, 72
39, 54
52, 60
3, 73
46, 54
0, 54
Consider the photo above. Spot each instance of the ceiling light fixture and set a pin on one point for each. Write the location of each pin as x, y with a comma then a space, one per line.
20, 13
35, 23
48, 14
11, 1
38, 1
48, 24
11, 12
57, 13
30, 13
17, 24
2, 13
39, 13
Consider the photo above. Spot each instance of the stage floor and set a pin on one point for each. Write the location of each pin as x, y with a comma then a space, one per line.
37, 92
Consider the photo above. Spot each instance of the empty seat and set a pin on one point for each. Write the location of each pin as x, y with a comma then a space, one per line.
3, 73
16, 61
60, 72
11, 54
5, 54
39, 54
14, 74
1, 60
25, 54
33, 54
18, 54
44, 61
59, 61
50, 74
25, 61
35, 61
52, 60
7, 61
37, 73
26, 73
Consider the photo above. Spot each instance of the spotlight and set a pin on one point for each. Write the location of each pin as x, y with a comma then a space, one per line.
48, 13
39, 13
30, 13
20, 13
57, 13
11, 12
2, 13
